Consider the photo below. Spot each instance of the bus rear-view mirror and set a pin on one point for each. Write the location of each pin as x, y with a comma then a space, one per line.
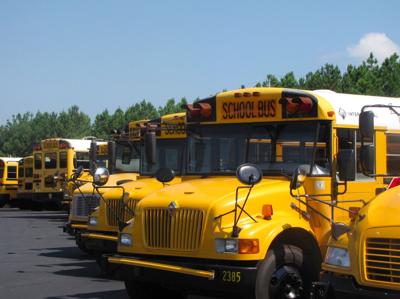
150, 146
298, 178
249, 174
346, 165
366, 124
367, 158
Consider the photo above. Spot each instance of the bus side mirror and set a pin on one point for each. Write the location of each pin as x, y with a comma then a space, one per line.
338, 229
367, 158
150, 146
346, 164
112, 156
165, 175
298, 178
100, 177
249, 174
366, 125
77, 173
92, 155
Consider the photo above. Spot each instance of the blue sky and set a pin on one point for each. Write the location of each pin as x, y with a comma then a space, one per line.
109, 54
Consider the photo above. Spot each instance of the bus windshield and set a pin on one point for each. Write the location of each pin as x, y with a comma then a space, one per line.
127, 156
276, 148
169, 155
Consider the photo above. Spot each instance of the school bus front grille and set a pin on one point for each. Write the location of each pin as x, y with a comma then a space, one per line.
382, 260
117, 210
84, 205
178, 230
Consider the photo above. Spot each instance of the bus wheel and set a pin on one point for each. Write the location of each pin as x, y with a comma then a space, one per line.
3, 201
141, 290
285, 273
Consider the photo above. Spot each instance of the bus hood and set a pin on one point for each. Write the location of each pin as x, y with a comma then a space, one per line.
217, 195
137, 189
384, 210
112, 181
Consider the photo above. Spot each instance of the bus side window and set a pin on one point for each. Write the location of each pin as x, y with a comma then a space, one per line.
20, 170
12, 172
63, 160
393, 153
38, 161
50, 160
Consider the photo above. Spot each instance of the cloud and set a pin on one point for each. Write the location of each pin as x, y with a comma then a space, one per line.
377, 43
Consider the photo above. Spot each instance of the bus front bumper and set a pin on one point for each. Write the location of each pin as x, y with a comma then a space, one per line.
198, 276
333, 286
73, 228
100, 242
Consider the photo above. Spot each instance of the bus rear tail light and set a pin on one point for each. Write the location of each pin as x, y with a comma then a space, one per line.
267, 212
353, 212
63, 145
394, 183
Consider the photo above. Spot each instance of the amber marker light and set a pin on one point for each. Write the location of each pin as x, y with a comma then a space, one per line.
247, 94
267, 212
353, 212
247, 246
331, 113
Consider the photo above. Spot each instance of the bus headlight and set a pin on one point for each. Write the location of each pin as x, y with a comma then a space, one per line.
226, 245
241, 246
337, 257
93, 221
125, 240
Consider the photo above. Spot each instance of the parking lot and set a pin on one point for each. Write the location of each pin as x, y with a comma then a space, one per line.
38, 260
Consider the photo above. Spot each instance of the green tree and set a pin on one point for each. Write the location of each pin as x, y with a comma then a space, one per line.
172, 107
73, 124
141, 110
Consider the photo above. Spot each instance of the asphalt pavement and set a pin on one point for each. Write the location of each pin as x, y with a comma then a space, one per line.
38, 260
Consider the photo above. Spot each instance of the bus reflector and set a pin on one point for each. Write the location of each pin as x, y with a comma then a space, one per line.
394, 183
353, 212
267, 212
248, 246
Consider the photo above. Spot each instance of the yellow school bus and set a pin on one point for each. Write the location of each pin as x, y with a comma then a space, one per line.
57, 157
237, 229
365, 262
118, 204
123, 163
8, 179
25, 182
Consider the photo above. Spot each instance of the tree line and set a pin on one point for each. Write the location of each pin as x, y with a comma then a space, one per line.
19, 133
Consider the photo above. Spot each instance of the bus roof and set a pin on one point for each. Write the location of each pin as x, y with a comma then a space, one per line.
347, 108
76, 144
259, 104
10, 159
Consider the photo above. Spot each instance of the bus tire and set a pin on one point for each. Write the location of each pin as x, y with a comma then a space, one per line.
3, 200
286, 272
141, 290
